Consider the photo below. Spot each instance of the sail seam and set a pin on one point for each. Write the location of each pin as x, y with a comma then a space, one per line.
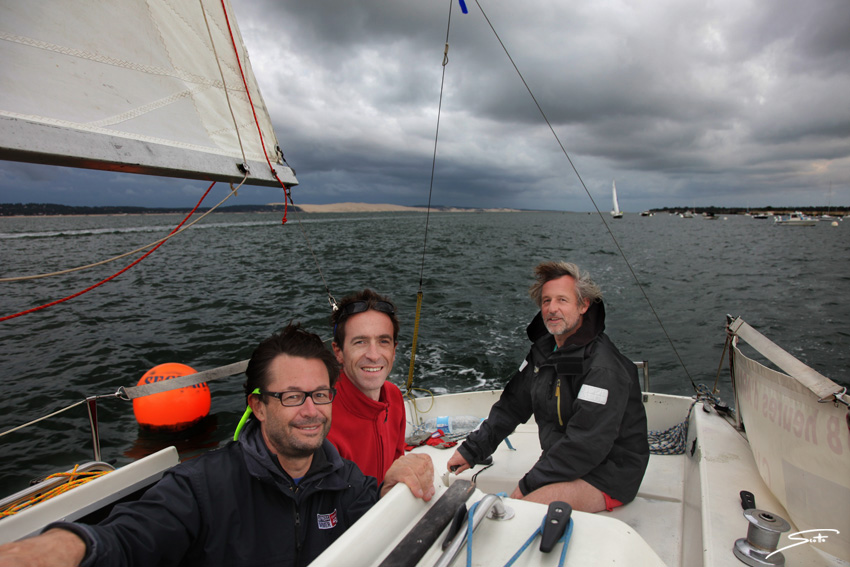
80, 54
144, 109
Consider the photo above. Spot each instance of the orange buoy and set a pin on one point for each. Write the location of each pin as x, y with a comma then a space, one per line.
174, 410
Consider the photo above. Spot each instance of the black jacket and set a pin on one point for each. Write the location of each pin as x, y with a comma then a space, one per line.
234, 507
586, 400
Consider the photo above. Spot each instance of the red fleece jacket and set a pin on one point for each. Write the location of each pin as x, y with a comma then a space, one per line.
368, 432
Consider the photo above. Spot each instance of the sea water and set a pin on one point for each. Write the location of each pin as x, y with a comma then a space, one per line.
207, 297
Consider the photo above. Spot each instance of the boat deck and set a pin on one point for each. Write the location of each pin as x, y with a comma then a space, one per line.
687, 512
688, 508
655, 514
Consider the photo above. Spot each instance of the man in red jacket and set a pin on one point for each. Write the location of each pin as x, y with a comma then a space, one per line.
369, 420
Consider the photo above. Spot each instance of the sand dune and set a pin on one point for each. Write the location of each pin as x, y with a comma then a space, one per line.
378, 208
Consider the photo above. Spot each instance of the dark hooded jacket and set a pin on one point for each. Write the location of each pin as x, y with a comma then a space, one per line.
586, 400
234, 507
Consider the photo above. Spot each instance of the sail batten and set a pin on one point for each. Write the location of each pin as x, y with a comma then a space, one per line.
145, 87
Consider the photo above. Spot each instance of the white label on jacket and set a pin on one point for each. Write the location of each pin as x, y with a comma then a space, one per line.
523, 365
593, 394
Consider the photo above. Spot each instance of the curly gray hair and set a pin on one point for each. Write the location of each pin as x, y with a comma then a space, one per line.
548, 271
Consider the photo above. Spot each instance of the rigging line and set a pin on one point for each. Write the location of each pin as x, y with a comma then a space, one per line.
331, 299
42, 418
428, 210
253, 110
131, 252
116, 274
224, 83
436, 137
595, 206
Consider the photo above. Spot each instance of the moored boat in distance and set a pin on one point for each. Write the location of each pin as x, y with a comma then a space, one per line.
796, 218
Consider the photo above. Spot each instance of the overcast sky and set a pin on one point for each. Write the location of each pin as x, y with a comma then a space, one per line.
683, 102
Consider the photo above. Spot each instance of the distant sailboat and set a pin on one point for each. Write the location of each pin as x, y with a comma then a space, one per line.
616, 213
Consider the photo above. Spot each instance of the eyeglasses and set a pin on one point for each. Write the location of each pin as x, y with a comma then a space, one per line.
361, 306
294, 398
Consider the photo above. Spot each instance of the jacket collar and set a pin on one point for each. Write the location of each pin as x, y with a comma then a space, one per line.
357, 403
262, 463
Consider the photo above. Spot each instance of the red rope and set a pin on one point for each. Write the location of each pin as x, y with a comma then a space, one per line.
115, 275
253, 110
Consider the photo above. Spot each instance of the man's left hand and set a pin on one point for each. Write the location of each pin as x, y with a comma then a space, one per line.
416, 471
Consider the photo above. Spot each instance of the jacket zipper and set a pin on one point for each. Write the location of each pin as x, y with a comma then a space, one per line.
558, 400
297, 531
381, 441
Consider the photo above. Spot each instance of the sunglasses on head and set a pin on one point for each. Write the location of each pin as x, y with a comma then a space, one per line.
360, 306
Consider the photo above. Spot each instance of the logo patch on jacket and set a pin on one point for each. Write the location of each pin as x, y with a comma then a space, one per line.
593, 394
326, 521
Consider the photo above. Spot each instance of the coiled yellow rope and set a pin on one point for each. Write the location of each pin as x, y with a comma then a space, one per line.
75, 479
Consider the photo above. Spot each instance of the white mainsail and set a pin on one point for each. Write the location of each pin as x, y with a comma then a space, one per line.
615, 212
146, 87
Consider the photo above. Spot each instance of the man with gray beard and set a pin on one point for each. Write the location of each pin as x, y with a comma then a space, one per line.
584, 395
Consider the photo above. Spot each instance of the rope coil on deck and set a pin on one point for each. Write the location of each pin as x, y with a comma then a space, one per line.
75, 479
673, 441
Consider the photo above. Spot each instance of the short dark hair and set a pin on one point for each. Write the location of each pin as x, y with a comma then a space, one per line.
371, 298
548, 271
292, 341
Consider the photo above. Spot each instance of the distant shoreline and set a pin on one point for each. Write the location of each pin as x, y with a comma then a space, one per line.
12, 210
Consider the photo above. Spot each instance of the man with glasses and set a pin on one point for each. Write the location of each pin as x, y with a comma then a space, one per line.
279, 495
369, 420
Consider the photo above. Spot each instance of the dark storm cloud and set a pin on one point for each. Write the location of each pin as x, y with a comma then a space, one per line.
723, 103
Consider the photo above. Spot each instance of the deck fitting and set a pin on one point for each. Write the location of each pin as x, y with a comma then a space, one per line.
762, 538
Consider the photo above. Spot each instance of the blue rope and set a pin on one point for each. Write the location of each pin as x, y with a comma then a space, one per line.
565, 540
539, 530
470, 515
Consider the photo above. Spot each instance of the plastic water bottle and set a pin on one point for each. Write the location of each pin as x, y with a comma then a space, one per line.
452, 423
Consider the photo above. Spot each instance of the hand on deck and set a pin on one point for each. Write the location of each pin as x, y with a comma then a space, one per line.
457, 464
416, 471
53, 548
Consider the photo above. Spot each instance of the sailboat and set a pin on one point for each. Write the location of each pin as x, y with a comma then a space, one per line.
785, 444
828, 216
615, 212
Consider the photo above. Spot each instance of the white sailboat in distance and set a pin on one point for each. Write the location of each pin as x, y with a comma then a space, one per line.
616, 213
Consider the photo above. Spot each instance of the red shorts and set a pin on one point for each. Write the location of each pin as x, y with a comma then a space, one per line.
611, 503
